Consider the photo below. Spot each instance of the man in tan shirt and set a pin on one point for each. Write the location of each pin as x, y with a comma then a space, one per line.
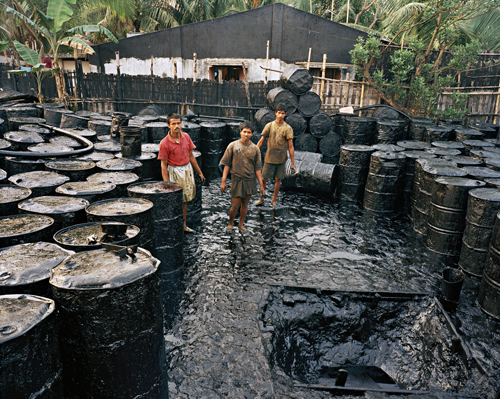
280, 140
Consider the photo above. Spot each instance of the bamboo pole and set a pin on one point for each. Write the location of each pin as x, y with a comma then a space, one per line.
323, 71
194, 67
362, 96
345, 100
267, 63
309, 58
496, 104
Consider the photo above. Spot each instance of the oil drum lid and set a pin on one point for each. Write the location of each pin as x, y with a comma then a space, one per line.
157, 124
86, 114
97, 156
53, 204
158, 187
495, 142
10, 193
108, 146
16, 225
192, 126
24, 136
113, 177
35, 128
213, 125
108, 137
20, 313
97, 119
150, 147
439, 128
459, 181
119, 164
119, 207
443, 151
357, 147
435, 162
482, 172
463, 160
4, 144
90, 234
28, 263
424, 121
415, 154
495, 162
484, 154
389, 155
467, 131
458, 145
38, 178
145, 119
27, 120
388, 148
81, 188
444, 170
102, 269
145, 156
488, 194
67, 141
49, 148
70, 164
477, 143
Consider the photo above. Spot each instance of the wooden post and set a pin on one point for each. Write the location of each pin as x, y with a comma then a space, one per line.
219, 88
267, 63
496, 105
194, 78
347, 14
83, 90
362, 96
247, 91
152, 81
309, 58
345, 101
118, 93
176, 86
323, 70
77, 83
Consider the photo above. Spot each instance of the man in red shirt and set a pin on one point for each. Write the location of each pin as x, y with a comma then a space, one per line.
178, 161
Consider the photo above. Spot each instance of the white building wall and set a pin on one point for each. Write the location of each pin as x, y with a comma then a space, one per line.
164, 67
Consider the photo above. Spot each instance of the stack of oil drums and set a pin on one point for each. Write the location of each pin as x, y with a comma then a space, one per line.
212, 140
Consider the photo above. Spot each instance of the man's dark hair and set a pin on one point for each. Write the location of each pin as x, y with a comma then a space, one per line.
171, 116
247, 125
280, 107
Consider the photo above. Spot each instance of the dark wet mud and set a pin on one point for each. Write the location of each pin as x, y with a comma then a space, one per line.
215, 346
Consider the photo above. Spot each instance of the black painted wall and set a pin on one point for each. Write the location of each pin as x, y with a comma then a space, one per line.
243, 35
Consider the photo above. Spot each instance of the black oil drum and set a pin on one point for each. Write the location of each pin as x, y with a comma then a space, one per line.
388, 132
329, 146
120, 179
21, 229
388, 148
308, 156
75, 169
310, 176
53, 115
482, 208
118, 120
10, 196
21, 140
357, 130
481, 172
39, 182
462, 160
86, 133
99, 126
92, 192
476, 145
193, 130
354, 162
130, 141
111, 327
263, 116
149, 163
309, 104
96, 156
418, 131
282, 96
438, 133
297, 122
157, 131
30, 365
121, 165
135, 211
464, 133
320, 125
113, 147
72, 121
25, 268
89, 236
306, 142
298, 80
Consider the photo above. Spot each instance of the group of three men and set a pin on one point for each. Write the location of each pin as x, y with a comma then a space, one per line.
242, 158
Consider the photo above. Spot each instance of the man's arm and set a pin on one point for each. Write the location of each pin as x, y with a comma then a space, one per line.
223, 185
164, 170
258, 173
261, 142
194, 164
292, 153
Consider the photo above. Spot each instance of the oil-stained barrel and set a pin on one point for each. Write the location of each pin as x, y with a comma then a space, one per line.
149, 163
112, 147
25, 268
4, 145
3, 126
21, 229
320, 125
418, 128
100, 117
212, 139
120, 179
489, 290
118, 120
99, 126
42, 107
482, 125
482, 207
66, 141
135, 211
443, 152
3, 176
86, 114
447, 211
476, 145
75, 169
10, 196
121, 165
488, 132
462, 160
383, 187
493, 163
91, 192
39, 182
193, 130
157, 131
464, 133
438, 133
409, 173
38, 129
111, 328
495, 142
297, 122
87, 133
329, 146
130, 141
359, 130
21, 112
306, 142
354, 162
263, 116
45, 148
388, 148
298, 80
310, 176
17, 123
89, 236
53, 116
388, 132
143, 130
96, 156
72, 121
21, 140
30, 365
194, 206
456, 145
64, 210
282, 96
449, 121
481, 172
483, 155
309, 104
308, 156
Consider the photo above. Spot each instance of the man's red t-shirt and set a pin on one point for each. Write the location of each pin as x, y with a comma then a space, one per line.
176, 154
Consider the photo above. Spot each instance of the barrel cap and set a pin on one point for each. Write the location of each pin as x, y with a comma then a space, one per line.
113, 177
15, 225
416, 154
444, 170
70, 164
35, 128
10, 193
38, 178
23, 136
357, 147
103, 269
53, 204
49, 148
119, 164
155, 187
481, 171
20, 313
82, 188
488, 194
119, 207
459, 181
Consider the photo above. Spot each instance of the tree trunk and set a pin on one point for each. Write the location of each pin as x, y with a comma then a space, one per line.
61, 87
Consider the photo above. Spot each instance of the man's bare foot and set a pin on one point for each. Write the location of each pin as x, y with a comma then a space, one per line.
242, 229
273, 203
229, 227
